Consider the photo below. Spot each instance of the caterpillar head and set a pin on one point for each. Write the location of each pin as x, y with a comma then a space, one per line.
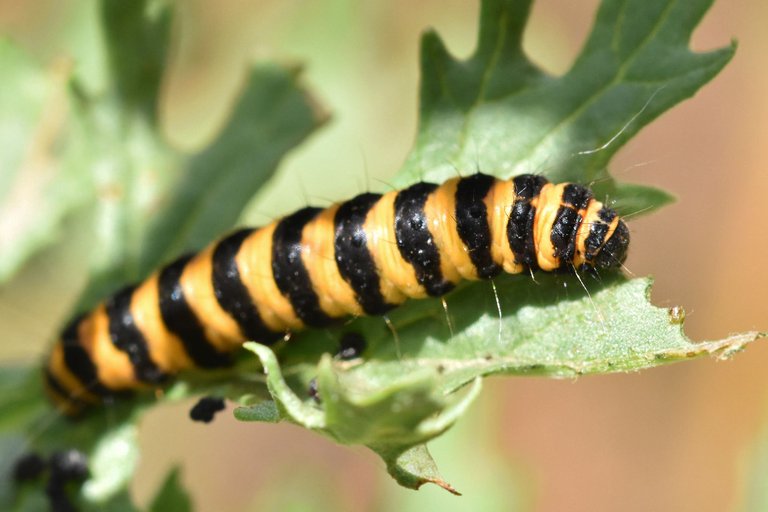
614, 252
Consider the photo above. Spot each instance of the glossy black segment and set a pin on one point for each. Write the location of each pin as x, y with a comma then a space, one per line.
78, 362
614, 252
528, 186
595, 239
353, 257
521, 219
597, 234
181, 320
606, 214
288, 269
576, 196
415, 241
472, 222
127, 337
231, 293
563, 235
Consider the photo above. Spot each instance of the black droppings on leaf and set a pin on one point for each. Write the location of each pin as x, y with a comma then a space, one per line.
206, 408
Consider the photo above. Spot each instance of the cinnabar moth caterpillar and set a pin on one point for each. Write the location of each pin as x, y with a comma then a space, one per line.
360, 257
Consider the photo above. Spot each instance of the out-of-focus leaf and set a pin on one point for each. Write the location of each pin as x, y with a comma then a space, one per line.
272, 115
172, 496
137, 40
21, 396
43, 175
149, 201
112, 463
154, 201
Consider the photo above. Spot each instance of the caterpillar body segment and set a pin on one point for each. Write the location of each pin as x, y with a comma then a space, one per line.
364, 256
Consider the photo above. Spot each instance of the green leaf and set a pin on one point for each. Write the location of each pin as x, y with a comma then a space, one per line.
41, 171
413, 467
399, 398
172, 495
156, 201
266, 412
137, 46
112, 463
553, 329
271, 116
394, 419
497, 112
21, 396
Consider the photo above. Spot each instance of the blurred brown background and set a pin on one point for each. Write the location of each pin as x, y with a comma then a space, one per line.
674, 438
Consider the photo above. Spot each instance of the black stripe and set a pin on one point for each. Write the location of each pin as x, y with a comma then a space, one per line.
231, 293
78, 362
58, 388
127, 337
606, 214
181, 320
595, 239
597, 232
567, 223
353, 259
614, 252
288, 269
414, 239
472, 222
520, 225
576, 196
563, 235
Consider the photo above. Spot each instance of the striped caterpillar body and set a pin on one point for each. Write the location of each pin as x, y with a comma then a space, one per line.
361, 257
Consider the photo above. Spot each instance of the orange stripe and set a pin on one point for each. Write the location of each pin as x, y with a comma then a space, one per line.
255, 263
335, 296
611, 228
398, 278
113, 367
547, 203
499, 203
440, 210
589, 217
165, 349
196, 282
